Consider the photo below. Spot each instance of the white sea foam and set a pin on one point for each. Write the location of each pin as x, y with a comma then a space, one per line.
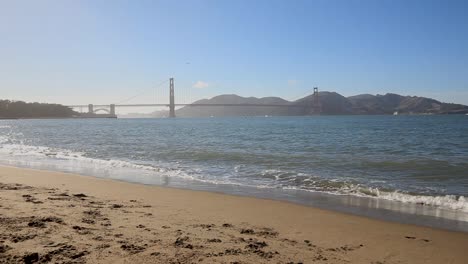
447, 201
16, 150
3, 139
452, 202
21, 151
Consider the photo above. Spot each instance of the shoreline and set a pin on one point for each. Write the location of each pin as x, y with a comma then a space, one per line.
272, 226
208, 117
369, 207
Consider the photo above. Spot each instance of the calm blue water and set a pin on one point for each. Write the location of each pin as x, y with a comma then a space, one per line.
412, 160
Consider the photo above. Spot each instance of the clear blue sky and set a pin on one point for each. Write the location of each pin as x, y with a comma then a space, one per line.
75, 52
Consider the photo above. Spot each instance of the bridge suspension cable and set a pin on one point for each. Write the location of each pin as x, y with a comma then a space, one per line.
141, 93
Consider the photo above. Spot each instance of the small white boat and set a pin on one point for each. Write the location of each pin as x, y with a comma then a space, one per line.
395, 113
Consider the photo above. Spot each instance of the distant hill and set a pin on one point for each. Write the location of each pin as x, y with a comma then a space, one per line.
19, 109
201, 111
331, 103
154, 114
389, 103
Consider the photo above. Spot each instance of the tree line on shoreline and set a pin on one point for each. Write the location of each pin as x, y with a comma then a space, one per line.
20, 109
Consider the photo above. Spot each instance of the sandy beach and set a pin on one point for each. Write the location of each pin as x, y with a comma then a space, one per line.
63, 218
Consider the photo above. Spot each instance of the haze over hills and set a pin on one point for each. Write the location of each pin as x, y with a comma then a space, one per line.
332, 103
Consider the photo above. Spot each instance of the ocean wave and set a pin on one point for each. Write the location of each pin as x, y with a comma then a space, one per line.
271, 178
170, 170
335, 186
60, 154
453, 202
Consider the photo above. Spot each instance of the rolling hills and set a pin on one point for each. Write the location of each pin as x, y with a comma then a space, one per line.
331, 103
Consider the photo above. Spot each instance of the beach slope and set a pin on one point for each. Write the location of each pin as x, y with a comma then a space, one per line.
50, 216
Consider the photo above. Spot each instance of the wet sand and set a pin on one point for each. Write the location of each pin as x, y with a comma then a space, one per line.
64, 218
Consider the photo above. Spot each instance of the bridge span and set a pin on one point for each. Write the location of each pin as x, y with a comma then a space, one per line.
93, 108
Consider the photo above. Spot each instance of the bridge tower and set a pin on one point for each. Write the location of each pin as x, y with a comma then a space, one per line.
317, 106
90, 109
171, 98
112, 109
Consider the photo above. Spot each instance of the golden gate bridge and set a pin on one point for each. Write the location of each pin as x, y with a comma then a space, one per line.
110, 108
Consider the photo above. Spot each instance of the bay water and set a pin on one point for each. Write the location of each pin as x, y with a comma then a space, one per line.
405, 168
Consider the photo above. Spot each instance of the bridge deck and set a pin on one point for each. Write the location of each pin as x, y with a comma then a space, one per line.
150, 105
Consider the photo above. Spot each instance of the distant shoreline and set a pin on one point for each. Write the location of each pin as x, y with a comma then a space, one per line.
27, 118
125, 117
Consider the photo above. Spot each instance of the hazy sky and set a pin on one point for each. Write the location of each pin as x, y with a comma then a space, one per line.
79, 52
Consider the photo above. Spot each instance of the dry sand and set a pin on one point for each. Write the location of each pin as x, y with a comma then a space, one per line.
64, 218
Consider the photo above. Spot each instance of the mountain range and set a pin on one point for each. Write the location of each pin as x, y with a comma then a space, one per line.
331, 103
